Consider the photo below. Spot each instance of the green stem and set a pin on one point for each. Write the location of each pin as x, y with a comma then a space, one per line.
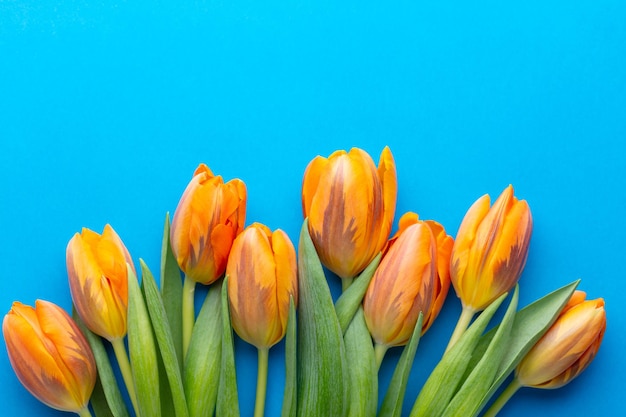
189, 312
379, 352
261, 382
345, 283
461, 326
84, 412
127, 375
503, 398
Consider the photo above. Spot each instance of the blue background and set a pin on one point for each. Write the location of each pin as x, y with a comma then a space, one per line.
107, 107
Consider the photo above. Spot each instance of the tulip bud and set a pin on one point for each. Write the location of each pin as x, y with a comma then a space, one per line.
408, 280
262, 276
490, 249
402, 286
568, 347
50, 355
98, 278
209, 216
350, 206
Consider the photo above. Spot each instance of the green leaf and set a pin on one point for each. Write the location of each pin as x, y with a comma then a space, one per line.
467, 400
362, 370
142, 349
172, 290
394, 397
163, 335
99, 402
444, 380
106, 376
350, 300
322, 390
204, 357
227, 397
529, 325
290, 403
167, 401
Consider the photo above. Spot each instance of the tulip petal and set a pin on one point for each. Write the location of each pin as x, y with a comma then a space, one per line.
389, 185
466, 235
286, 272
71, 347
509, 256
442, 283
310, 182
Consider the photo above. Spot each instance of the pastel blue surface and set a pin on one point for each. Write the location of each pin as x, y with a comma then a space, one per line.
106, 108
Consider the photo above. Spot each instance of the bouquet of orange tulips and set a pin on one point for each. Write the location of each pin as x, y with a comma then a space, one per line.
177, 358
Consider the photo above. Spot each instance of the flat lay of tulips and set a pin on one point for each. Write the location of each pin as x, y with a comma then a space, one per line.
137, 343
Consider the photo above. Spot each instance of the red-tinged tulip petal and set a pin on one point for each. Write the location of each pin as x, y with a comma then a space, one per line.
509, 256
442, 283
388, 178
311, 180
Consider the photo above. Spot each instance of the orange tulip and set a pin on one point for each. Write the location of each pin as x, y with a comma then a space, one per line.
412, 277
50, 355
563, 352
568, 347
98, 278
209, 216
262, 276
490, 249
444, 249
350, 206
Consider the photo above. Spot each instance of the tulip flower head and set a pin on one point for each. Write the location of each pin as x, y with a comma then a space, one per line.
402, 286
98, 278
490, 249
568, 347
350, 206
210, 214
262, 276
50, 355
563, 352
